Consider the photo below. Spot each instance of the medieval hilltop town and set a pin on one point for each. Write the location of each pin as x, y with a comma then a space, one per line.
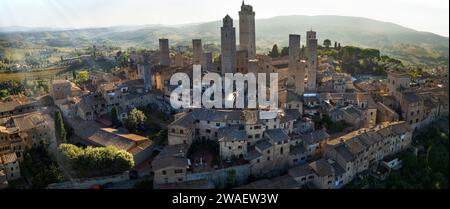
330, 130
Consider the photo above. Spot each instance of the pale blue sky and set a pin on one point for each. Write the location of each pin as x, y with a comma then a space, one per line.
423, 15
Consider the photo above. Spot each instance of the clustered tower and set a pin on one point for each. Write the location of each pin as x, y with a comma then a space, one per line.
247, 30
164, 58
207, 61
311, 53
296, 67
228, 46
198, 51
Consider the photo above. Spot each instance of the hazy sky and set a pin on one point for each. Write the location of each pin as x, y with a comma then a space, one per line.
423, 15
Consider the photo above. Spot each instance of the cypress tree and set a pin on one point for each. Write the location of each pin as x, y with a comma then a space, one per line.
115, 117
60, 131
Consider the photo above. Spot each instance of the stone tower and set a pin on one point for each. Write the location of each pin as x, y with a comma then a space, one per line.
228, 46
242, 61
164, 58
146, 74
207, 61
197, 51
296, 66
247, 30
294, 50
179, 60
312, 63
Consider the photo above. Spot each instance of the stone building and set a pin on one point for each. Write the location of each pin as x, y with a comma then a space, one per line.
233, 142
247, 39
396, 83
242, 61
170, 166
179, 60
10, 164
386, 114
228, 46
63, 89
3, 180
312, 61
18, 104
197, 49
207, 61
296, 66
356, 151
164, 58
24, 131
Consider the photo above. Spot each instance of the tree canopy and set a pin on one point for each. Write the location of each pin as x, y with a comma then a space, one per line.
60, 130
115, 117
136, 119
274, 52
327, 43
98, 161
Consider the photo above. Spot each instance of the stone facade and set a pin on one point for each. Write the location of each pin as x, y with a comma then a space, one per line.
312, 61
247, 39
164, 58
197, 50
296, 66
228, 46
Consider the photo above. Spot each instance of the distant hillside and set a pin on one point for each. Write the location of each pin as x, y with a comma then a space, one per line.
420, 48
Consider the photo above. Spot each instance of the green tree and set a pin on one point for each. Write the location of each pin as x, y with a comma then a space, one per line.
4, 93
96, 161
115, 117
327, 43
284, 51
135, 120
40, 167
60, 130
274, 53
82, 77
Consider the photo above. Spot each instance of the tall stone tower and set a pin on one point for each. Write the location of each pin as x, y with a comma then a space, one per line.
198, 51
247, 30
228, 46
145, 73
164, 58
296, 66
294, 50
312, 63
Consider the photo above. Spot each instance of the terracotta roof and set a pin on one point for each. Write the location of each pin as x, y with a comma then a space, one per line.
8, 158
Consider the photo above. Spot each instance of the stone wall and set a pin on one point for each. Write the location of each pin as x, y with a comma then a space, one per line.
219, 177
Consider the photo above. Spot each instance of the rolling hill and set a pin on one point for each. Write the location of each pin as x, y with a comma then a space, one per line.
411, 46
